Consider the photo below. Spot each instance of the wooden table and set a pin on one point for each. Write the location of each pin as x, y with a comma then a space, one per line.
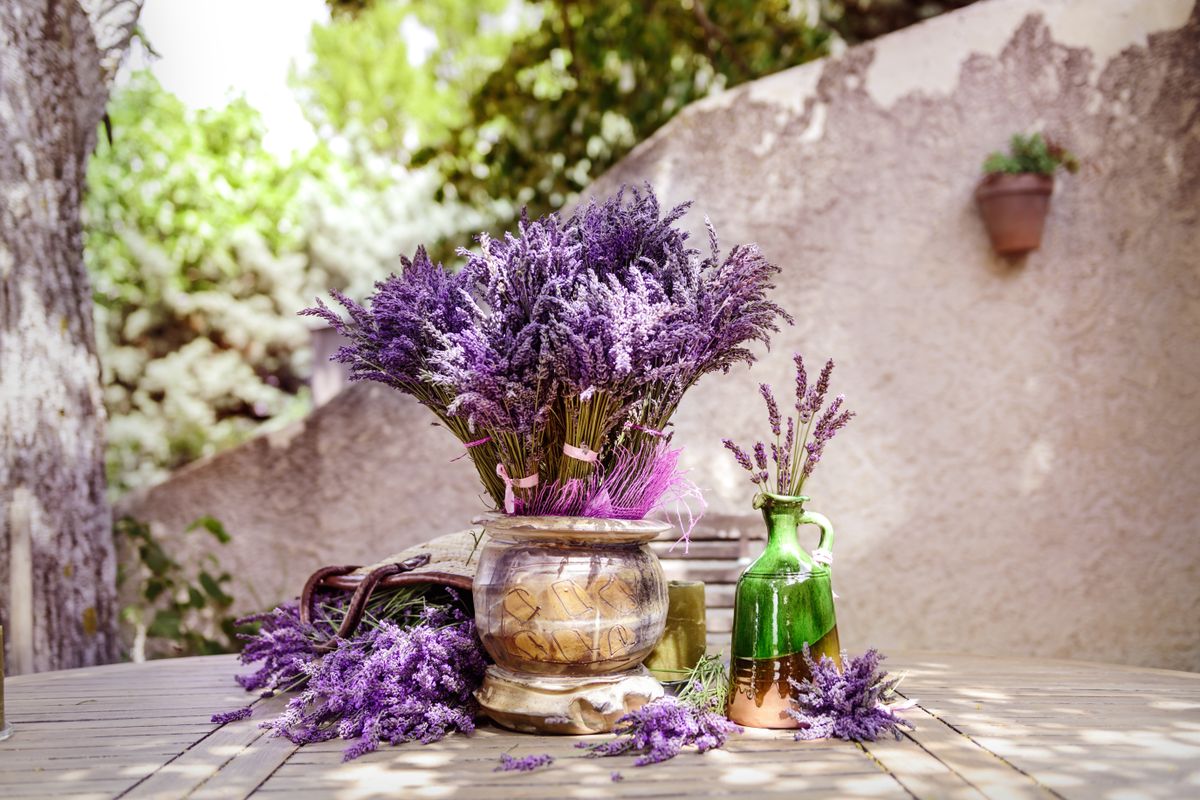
986, 727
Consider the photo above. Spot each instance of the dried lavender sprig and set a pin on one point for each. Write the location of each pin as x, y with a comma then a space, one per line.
739, 455
785, 468
772, 407
525, 764
801, 382
815, 398
391, 684
225, 717
826, 428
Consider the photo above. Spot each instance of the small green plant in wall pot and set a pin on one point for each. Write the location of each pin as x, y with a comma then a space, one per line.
1014, 195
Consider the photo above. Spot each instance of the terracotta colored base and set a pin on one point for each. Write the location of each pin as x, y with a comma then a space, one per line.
1014, 209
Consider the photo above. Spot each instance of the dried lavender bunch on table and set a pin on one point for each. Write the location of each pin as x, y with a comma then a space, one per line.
409, 674
560, 351
659, 730
857, 702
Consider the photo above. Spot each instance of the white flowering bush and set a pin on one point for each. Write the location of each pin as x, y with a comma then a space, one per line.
202, 246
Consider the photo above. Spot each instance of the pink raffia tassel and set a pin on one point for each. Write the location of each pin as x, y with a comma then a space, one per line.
632, 488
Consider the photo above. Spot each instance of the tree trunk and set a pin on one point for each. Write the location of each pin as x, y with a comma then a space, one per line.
57, 566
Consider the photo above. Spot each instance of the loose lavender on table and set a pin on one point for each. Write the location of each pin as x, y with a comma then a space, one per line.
526, 764
854, 703
799, 440
391, 684
661, 729
560, 351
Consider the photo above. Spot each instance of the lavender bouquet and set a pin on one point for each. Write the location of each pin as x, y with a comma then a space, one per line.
410, 674
560, 352
856, 703
799, 442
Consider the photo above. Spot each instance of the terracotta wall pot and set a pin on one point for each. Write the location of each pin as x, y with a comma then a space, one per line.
1014, 210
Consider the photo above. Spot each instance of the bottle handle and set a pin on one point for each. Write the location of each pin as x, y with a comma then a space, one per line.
824, 552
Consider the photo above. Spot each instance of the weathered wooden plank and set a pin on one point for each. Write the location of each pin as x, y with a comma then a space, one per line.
722, 548
202, 761
979, 767
247, 770
1008, 727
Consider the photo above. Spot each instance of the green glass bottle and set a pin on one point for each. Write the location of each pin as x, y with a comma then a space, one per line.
783, 601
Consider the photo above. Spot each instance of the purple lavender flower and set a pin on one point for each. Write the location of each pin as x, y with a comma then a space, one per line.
772, 407
232, 716
785, 468
795, 456
816, 395
284, 644
617, 777
391, 684
660, 729
826, 428
525, 764
393, 340
739, 454
801, 383
847, 703
610, 304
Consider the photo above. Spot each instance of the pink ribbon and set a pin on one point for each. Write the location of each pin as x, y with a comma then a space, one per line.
469, 445
580, 453
900, 705
510, 498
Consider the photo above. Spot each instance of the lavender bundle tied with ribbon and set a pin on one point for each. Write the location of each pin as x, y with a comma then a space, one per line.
559, 352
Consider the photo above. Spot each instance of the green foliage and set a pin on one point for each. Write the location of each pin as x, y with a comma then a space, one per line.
398, 75
202, 246
1031, 154
175, 612
599, 76
194, 237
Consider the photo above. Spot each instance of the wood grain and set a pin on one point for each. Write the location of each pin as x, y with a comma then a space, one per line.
985, 727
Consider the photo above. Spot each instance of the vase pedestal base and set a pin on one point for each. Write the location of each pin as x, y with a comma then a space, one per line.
564, 705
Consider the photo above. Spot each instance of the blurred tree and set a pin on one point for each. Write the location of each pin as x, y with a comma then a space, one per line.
574, 93
57, 568
599, 76
399, 75
203, 245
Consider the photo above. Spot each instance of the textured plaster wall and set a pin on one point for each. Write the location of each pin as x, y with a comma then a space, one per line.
1022, 478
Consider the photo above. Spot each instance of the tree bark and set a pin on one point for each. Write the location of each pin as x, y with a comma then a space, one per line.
57, 566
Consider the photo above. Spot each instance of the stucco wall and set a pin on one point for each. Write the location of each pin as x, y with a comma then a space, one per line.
1021, 478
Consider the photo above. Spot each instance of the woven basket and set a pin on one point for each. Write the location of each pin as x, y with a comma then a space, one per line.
448, 560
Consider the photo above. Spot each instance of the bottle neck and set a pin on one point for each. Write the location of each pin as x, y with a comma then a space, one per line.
783, 552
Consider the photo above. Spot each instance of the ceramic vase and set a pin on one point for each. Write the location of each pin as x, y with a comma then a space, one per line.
568, 607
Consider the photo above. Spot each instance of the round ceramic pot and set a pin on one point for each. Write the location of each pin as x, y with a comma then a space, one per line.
569, 596
1014, 209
